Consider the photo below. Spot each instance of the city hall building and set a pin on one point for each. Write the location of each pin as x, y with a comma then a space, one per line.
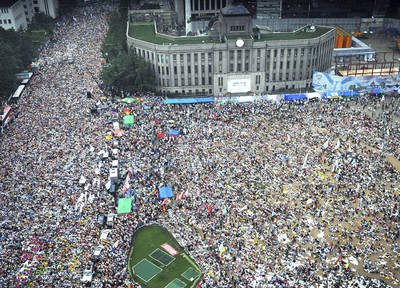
232, 57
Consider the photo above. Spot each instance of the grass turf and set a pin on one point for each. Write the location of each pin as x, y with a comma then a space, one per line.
162, 257
176, 284
190, 273
146, 240
146, 270
145, 32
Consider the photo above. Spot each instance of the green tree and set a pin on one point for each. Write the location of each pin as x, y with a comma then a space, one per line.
115, 40
42, 21
9, 63
129, 72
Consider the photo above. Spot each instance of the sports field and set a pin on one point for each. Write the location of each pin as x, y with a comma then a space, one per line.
154, 267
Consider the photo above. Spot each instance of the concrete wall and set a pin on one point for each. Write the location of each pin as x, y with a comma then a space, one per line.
290, 24
391, 23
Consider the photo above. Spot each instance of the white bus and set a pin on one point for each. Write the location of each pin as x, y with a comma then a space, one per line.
18, 93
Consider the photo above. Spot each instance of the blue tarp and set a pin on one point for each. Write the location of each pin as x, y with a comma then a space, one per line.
174, 132
291, 97
164, 192
188, 100
349, 93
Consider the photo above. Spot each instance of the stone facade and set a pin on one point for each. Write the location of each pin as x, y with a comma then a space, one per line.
204, 67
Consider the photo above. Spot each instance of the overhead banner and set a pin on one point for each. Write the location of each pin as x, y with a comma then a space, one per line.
239, 83
324, 82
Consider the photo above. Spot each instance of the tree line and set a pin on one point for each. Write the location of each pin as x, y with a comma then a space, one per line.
18, 49
124, 69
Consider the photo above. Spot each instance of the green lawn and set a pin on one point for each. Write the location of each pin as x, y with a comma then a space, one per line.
148, 239
146, 32
37, 35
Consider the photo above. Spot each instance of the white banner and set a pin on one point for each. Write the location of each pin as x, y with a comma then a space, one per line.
239, 84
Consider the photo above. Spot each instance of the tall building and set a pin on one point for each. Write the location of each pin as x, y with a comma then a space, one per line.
269, 9
17, 14
12, 15
48, 7
235, 57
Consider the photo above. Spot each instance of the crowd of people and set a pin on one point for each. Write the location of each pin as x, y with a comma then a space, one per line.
265, 194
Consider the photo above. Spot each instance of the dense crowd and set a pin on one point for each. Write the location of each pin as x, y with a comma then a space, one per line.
269, 194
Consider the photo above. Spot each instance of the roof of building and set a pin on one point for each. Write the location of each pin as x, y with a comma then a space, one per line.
297, 35
236, 9
145, 31
7, 3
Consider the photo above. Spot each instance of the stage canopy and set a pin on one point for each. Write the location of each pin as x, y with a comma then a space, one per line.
292, 97
164, 192
124, 205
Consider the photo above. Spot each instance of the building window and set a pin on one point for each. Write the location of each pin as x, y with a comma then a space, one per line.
189, 81
231, 67
209, 68
258, 77
1, 21
231, 55
174, 57
237, 28
210, 56
167, 70
9, 21
209, 80
203, 56
209, 91
239, 67
195, 58
203, 81
189, 69
35, 2
220, 56
246, 67
175, 70
220, 68
176, 82
188, 57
